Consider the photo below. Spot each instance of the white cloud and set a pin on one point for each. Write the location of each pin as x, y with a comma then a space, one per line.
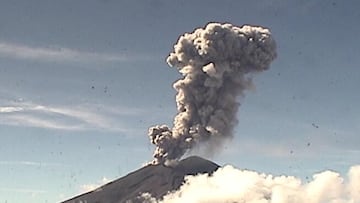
19, 51
229, 184
10, 109
35, 121
90, 187
30, 163
82, 117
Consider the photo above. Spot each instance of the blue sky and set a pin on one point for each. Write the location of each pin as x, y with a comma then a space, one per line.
81, 82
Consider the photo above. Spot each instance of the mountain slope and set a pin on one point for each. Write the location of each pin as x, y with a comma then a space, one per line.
154, 179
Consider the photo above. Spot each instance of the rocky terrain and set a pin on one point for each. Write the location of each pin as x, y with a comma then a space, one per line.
154, 179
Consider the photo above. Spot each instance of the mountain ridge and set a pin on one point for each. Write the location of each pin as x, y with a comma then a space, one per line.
156, 180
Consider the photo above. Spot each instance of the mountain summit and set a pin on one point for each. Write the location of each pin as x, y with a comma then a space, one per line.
154, 179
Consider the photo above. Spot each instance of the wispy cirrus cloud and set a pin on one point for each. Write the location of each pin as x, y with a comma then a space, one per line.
29, 163
62, 54
72, 118
10, 109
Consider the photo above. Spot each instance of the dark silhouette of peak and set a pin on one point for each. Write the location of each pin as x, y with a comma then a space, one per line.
157, 180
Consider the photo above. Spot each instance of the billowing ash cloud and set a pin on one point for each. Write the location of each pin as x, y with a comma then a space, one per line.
216, 63
229, 184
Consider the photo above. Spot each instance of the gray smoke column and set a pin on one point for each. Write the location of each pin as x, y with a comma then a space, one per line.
216, 63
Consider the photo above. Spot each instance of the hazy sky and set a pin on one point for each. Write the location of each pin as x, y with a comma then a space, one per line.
81, 82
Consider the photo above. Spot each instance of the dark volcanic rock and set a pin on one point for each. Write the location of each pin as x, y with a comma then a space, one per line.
154, 179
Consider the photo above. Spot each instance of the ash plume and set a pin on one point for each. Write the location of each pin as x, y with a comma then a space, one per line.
216, 63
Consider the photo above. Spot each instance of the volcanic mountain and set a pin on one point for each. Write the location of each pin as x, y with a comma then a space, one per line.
154, 179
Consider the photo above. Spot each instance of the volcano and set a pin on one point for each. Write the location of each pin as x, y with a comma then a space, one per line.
156, 180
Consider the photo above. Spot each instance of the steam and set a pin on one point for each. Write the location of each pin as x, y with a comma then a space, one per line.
229, 184
216, 63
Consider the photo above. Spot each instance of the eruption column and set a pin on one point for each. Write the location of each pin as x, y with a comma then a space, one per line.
216, 63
